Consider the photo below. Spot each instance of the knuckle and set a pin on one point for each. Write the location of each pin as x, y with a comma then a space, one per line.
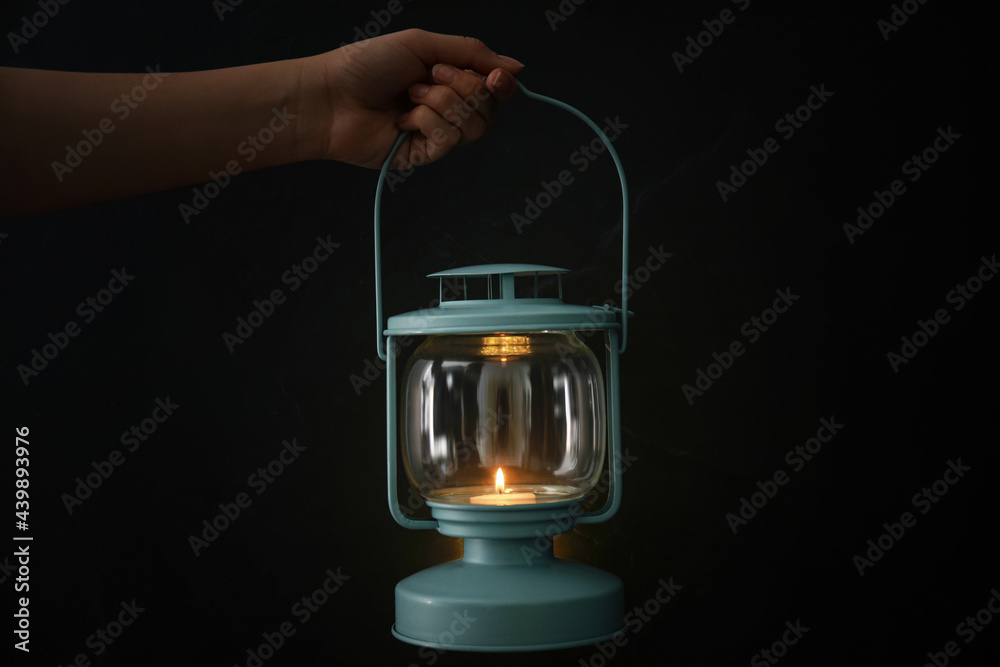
474, 43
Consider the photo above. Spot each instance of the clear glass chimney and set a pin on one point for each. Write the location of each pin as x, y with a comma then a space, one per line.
503, 418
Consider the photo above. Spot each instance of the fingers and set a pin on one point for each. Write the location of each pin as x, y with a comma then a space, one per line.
501, 83
462, 52
471, 91
453, 111
433, 137
461, 99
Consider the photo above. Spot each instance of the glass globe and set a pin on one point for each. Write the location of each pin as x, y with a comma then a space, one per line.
503, 418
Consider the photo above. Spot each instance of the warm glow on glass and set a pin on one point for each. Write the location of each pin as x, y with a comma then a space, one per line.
505, 346
531, 402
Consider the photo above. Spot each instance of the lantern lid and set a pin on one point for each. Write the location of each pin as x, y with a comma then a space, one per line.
498, 269
498, 307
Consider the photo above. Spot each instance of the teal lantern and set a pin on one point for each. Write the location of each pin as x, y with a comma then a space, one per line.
505, 421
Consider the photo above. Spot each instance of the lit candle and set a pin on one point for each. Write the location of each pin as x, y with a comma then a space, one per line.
503, 496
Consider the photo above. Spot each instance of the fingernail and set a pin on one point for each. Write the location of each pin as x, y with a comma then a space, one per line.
444, 73
419, 89
511, 61
499, 80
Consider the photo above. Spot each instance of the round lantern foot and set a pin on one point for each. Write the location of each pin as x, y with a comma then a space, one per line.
508, 595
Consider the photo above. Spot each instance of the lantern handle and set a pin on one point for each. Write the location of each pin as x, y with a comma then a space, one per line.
625, 220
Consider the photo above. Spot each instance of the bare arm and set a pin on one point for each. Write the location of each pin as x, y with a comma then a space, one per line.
70, 138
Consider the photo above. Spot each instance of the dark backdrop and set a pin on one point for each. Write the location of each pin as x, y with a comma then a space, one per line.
826, 358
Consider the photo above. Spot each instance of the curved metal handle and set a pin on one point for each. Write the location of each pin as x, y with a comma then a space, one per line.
625, 222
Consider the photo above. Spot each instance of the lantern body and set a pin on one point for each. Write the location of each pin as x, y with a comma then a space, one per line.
502, 381
531, 404
506, 382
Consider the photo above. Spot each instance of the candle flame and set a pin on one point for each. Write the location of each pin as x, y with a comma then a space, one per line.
499, 480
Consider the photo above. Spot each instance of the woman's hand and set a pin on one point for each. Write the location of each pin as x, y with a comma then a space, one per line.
445, 89
74, 138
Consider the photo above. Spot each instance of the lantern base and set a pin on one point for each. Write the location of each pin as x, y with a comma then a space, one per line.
508, 595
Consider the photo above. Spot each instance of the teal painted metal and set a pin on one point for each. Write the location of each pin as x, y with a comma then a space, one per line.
486, 316
379, 189
485, 514
508, 592
621, 176
391, 449
378, 244
497, 269
614, 500
497, 522
504, 312
508, 595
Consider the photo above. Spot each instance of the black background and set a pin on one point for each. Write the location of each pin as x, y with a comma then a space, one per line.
825, 358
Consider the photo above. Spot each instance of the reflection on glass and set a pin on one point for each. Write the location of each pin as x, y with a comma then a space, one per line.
531, 404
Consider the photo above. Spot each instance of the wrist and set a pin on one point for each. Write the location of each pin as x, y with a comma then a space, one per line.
312, 101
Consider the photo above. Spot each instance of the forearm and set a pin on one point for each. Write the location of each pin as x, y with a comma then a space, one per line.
70, 138
76, 138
